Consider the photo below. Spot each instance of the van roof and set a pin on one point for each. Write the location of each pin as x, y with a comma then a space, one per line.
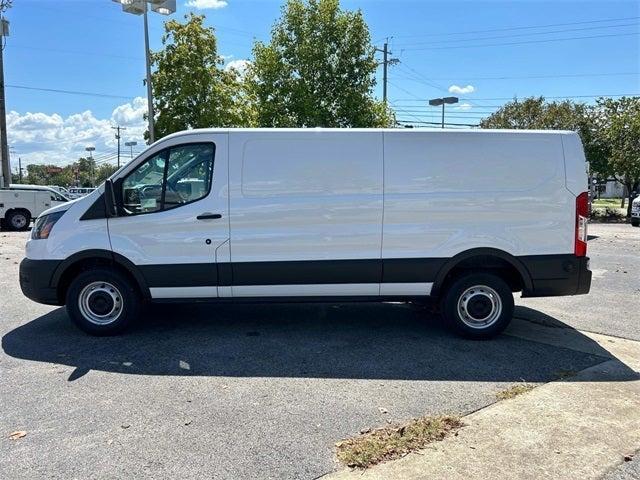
445, 131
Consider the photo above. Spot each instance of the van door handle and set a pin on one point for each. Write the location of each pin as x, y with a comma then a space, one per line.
209, 216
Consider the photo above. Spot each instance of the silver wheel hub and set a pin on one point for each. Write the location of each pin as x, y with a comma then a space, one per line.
18, 221
100, 303
479, 306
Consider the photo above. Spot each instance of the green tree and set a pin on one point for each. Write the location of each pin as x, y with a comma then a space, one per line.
190, 87
616, 130
103, 172
537, 113
318, 70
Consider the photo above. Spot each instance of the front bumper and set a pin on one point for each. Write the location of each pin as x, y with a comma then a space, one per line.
35, 280
554, 275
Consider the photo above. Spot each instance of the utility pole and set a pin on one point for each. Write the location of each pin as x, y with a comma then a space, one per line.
4, 150
386, 61
150, 112
20, 169
117, 128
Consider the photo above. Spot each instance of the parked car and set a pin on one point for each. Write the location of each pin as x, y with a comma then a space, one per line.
19, 206
79, 192
60, 189
466, 217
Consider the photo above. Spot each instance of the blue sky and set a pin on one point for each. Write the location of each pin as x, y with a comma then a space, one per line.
497, 49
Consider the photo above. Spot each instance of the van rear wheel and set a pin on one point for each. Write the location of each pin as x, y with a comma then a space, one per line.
478, 305
101, 301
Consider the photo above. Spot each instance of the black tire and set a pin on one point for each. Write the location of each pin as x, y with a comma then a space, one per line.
635, 223
109, 296
491, 297
18, 220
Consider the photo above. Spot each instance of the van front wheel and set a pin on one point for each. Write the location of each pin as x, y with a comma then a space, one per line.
478, 305
102, 302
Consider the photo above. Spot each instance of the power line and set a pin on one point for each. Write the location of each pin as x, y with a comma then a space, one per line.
70, 92
97, 55
440, 123
474, 39
524, 42
516, 77
468, 32
515, 97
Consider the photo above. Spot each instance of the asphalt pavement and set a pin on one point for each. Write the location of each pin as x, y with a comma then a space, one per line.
252, 391
612, 307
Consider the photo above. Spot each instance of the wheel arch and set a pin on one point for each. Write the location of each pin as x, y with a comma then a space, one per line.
485, 259
77, 262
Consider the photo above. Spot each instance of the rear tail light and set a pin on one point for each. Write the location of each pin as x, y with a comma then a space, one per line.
582, 218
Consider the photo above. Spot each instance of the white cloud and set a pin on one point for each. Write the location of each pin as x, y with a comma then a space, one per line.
50, 138
205, 4
464, 106
130, 113
239, 66
462, 90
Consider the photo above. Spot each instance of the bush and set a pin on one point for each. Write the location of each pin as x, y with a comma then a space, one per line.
607, 214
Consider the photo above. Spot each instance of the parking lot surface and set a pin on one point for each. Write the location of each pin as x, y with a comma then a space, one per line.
254, 391
613, 305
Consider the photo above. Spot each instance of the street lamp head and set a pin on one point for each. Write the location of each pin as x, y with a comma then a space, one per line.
163, 7
137, 7
436, 102
450, 99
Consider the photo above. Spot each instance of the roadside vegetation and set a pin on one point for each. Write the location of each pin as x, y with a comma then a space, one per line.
514, 390
393, 442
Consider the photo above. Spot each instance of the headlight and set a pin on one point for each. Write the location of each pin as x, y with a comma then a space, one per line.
44, 224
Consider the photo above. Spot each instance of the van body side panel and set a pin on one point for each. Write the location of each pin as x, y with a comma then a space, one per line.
310, 196
448, 192
575, 164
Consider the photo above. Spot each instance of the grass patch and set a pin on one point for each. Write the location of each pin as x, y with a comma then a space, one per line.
606, 202
392, 442
514, 390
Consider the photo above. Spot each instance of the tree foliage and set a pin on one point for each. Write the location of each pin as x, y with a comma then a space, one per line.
190, 87
83, 173
318, 70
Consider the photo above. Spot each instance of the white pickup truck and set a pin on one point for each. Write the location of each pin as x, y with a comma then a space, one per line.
18, 207
635, 212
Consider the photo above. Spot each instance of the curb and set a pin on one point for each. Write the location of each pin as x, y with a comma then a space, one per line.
577, 428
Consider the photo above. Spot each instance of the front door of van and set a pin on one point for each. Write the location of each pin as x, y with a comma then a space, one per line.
173, 216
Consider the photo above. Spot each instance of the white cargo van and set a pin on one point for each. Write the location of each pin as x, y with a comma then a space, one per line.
18, 206
468, 217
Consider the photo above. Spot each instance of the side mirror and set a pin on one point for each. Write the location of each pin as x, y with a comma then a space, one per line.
110, 199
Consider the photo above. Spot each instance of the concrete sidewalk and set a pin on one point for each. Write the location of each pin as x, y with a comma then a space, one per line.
577, 428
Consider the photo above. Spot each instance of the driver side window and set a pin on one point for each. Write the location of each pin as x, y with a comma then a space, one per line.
169, 179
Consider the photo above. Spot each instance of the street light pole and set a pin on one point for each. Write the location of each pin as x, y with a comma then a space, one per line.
131, 144
4, 149
149, 90
436, 102
141, 7
91, 150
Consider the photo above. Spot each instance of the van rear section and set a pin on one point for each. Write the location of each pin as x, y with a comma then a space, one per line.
466, 217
